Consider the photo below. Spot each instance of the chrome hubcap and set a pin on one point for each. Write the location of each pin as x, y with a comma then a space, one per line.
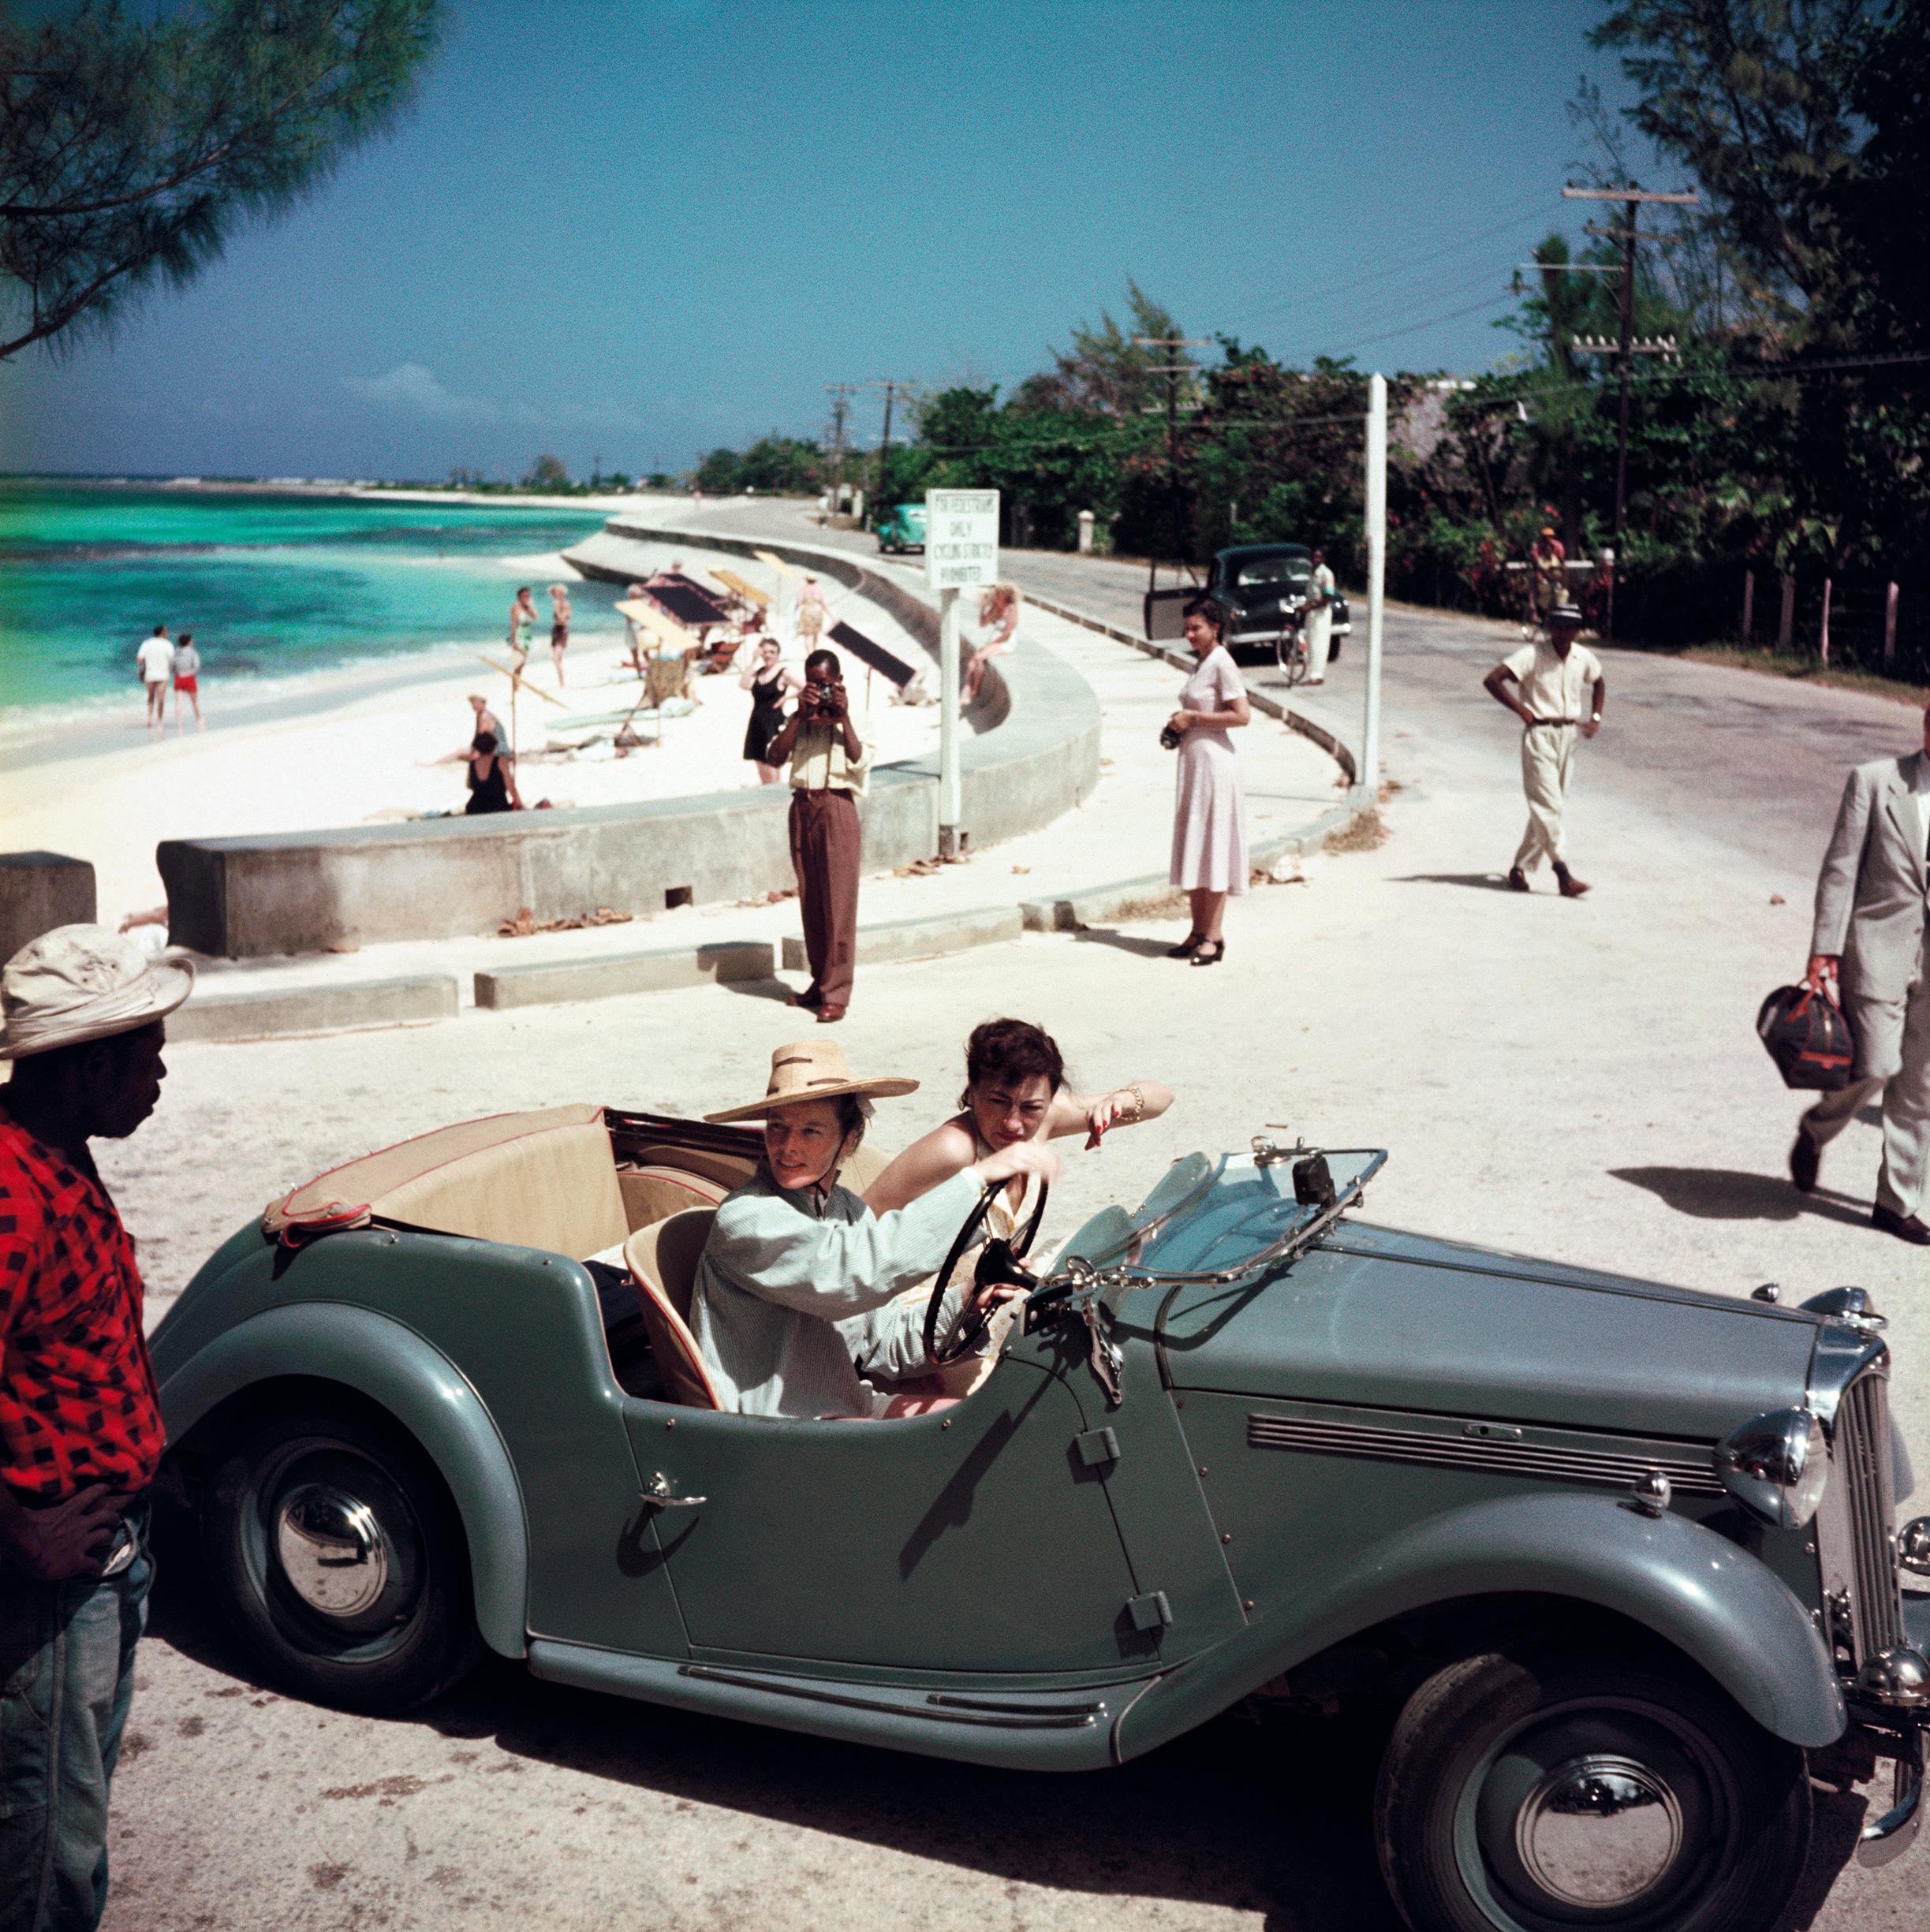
1599, 1830
331, 1550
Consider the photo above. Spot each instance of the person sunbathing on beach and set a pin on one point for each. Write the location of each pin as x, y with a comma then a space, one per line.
491, 782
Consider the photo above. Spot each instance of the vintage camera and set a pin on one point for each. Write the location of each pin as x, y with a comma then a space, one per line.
1170, 740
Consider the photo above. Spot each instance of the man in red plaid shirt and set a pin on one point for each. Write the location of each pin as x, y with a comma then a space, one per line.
81, 1017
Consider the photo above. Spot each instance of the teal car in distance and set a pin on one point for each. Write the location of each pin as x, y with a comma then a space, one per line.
1602, 1561
902, 527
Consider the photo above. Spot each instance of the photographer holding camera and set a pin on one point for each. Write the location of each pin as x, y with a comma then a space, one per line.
829, 751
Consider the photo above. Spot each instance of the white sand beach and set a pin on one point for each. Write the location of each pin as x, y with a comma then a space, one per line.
358, 745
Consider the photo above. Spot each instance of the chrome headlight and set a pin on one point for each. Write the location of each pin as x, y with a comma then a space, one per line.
1777, 1466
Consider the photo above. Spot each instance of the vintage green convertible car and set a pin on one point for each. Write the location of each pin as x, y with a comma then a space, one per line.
1608, 1558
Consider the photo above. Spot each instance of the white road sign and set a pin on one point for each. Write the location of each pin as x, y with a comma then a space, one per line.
961, 538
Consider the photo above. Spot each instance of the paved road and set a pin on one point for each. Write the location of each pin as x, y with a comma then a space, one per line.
1756, 763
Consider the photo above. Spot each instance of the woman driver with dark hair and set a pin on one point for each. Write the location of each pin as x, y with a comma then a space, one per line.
1015, 1091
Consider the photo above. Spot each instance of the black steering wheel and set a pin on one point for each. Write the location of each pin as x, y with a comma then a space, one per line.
1000, 1265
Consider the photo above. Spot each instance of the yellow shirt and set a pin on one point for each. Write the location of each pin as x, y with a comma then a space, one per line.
818, 759
1555, 688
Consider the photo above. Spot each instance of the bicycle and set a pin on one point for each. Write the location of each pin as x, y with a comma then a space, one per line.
1289, 650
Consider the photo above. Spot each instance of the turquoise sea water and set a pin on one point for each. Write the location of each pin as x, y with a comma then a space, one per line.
271, 585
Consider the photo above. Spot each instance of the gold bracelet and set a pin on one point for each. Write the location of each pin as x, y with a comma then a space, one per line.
1139, 1105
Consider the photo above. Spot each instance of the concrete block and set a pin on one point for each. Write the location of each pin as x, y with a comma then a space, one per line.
546, 983
352, 1007
1129, 898
924, 938
39, 890
1033, 754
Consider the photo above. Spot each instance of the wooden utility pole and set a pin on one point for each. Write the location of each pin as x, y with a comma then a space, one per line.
891, 385
840, 394
1632, 198
1172, 371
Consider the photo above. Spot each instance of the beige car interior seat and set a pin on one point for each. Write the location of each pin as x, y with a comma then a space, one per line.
662, 1260
862, 1166
546, 1179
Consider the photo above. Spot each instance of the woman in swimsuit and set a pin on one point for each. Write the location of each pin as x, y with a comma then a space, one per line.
492, 784
997, 613
811, 612
767, 680
559, 628
1015, 1091
522, 621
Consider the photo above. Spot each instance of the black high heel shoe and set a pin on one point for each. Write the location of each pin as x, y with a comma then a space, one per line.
1212, 958
1187, 947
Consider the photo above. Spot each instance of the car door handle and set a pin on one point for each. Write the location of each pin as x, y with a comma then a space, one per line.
657, 1493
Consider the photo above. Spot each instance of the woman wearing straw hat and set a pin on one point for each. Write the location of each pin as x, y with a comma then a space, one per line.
81, 1018
799, 1275
811, 611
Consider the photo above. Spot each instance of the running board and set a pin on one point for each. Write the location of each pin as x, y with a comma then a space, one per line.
1020, 1730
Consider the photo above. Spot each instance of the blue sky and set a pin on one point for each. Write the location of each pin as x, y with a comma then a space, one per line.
640, 230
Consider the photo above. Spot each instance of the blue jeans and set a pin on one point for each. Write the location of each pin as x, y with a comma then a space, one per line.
66, 1679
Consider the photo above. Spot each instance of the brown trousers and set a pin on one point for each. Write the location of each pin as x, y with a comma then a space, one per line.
826, 844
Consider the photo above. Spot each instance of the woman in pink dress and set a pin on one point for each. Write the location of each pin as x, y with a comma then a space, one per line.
1209, 809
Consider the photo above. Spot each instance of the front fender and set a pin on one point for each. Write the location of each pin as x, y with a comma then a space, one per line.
393, 1367
1696, 1591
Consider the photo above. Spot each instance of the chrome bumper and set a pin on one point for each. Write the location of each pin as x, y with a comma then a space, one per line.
1892, 1834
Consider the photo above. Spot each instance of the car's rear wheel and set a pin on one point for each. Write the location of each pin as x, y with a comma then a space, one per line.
1555, 1791
342, 1559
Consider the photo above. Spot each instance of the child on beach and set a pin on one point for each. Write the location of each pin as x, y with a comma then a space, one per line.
155, 656
188, 681
559, 627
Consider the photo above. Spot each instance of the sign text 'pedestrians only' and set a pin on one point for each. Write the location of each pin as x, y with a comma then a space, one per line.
961, 538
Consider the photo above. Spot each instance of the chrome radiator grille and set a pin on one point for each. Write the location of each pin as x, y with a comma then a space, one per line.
1863, 1467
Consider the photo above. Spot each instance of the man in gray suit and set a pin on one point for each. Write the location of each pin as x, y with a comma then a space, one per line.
1869, 936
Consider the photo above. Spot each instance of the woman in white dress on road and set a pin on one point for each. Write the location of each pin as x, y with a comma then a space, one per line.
1209, 807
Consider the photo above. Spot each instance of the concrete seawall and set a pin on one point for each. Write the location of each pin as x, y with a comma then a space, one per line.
1034, 755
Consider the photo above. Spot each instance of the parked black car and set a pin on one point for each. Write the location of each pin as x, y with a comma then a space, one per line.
1265, 586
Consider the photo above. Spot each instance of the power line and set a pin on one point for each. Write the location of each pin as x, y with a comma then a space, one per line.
1326, 293
1428, 321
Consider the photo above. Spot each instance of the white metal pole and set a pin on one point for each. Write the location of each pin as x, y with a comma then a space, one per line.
1369, 773
949, 805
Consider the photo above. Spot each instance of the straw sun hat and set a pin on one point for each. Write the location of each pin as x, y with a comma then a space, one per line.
78, 984
812, 1070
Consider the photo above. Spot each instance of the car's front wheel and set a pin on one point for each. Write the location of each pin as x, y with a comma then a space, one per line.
1548, 1791
338, 1551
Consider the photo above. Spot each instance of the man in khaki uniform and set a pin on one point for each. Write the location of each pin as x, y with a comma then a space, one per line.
1557, 691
